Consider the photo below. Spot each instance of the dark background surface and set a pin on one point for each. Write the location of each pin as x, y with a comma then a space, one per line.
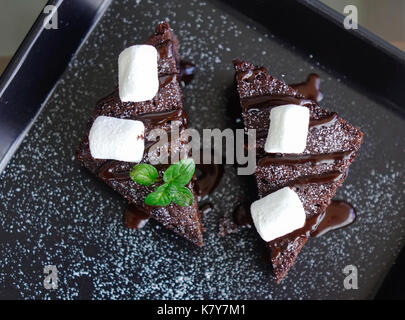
54, 212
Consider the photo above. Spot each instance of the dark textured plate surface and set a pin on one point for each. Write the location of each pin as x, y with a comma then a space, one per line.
52, 212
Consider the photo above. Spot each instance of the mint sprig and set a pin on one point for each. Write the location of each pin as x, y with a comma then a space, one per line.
173, 190
160, 197
180, 173
182, 196
144, 174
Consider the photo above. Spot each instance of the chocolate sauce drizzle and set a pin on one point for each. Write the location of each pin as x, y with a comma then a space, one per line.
186, 74
325, 121
327, 177
250, 75
205, 208
310, 87
165, 49
311, 225
301, 159
166, 79
105, 172
208, 178
135, 217
338, 214
153, 119
251, 104
241, 215
187, 71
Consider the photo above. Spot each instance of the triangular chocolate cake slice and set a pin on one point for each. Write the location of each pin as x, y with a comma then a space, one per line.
163, 111
314, 175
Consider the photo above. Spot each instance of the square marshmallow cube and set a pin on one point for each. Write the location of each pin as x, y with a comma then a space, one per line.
288, 129
117, 139
138, 73
278, 214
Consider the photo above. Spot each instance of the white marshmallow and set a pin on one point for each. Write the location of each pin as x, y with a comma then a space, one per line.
288, 129
138, 73
278, 214
117, 139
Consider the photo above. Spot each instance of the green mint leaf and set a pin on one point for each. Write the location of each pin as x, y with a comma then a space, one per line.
144, 174
181, 196
174, 190
160, 197
180, 173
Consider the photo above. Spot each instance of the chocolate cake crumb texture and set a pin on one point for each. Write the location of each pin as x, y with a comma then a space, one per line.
52, 211
314, 175
162, 112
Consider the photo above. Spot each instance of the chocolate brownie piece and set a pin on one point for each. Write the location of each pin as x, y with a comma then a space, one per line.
314, 175
162, 112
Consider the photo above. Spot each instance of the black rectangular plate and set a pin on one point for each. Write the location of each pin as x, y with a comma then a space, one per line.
53, 212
